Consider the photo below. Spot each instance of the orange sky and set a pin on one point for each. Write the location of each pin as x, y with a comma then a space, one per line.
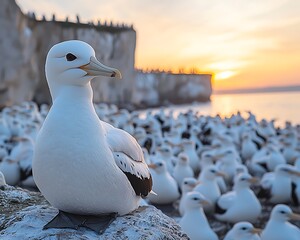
246, 44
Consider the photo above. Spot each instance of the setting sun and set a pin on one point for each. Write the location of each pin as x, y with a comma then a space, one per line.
224, 75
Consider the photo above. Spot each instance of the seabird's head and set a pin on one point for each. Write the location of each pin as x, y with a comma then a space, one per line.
286, 170
183, 159
195, 200
188, 184
244, 180
282, 212
158, 167
244, 230
74, 63
211, 173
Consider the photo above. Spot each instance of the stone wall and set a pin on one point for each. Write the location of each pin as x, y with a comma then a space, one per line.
25, 41
156, 88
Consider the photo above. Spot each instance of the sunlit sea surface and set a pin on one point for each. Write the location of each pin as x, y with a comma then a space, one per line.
283, 106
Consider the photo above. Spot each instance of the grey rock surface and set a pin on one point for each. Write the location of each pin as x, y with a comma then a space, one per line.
23, 215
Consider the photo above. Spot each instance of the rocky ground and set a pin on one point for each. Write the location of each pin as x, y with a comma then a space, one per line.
24, 213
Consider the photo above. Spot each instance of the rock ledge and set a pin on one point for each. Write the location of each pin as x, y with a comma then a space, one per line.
23, 215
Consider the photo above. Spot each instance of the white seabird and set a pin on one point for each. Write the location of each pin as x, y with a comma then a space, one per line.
81, 164
189, 148
11, 171
194, 222
241, 204
278, 227
164, 185
277, 186
182, 168
243, 231
209, 187
187, 185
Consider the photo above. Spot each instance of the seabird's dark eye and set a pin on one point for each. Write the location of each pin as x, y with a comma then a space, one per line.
283, 212
160, 164
213, 171
70, 57
195, 198
244, 228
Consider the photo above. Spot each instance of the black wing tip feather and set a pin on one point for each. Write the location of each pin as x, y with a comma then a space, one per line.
294, 196
264, 193
219, 210
264, 166
141, 186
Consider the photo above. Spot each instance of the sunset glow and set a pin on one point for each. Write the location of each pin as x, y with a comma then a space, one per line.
245, 44
224, 75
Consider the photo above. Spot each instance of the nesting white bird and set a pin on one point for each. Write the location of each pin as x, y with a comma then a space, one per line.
207, 159
243, 231
164, 153
23, 149
248, 147
187, 185
81, 164
241, 204
3, 151
194, 222
182, 168
11, 171
277, 186
164, 185
278, 227
273, 158
227, 164
209, 187
188, 147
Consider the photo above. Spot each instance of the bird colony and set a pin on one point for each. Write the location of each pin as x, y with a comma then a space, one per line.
223, 178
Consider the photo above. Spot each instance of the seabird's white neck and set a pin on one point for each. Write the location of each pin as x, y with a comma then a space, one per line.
73, 94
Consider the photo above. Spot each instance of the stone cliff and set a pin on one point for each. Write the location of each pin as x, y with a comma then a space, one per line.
25, 41
156, 88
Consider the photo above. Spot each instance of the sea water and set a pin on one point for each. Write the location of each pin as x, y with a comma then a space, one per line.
282, 106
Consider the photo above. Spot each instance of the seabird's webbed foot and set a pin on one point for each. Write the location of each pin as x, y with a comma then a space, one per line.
97, 223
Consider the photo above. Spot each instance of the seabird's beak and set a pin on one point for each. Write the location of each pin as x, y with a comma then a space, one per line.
204, 202
294, 216
152, 166
294, 172
221, 174
184, 159
219, 156
96, 68
253, 180
18, 139
173, 144
256, 231
193, 184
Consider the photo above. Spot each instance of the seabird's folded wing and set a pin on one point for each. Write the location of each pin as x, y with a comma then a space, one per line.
225, 202
130, 159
